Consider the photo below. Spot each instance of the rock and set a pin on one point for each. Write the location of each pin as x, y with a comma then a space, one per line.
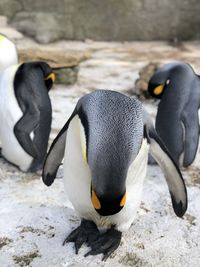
3, 21
66, 75
118, 20
145, 74
65, 64
7, 30
9, 7
53, 57
44, 27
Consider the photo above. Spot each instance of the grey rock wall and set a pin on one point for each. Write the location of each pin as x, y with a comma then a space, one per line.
118, 20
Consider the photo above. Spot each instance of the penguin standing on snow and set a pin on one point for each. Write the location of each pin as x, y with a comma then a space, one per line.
105, 146
8, 53
25, 114
177, 120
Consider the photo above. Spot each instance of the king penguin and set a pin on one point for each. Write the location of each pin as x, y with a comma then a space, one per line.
105, 145
177, 120
8, 53
25, 114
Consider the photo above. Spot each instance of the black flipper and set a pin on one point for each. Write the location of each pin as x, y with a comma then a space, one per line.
191, 123
55, 155
171, 171
28, 123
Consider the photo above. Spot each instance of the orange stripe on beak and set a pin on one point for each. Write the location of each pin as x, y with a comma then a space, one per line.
95, 201
123, 201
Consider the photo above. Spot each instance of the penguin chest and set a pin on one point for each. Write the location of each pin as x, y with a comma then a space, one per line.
134, 186
77, 181
10, 114
77, 175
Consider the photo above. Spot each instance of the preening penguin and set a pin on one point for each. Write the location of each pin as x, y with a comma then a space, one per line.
8, 53
25, 114
105, 146
177, 121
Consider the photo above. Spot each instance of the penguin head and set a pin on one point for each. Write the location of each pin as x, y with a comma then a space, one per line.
113, 128
166, 74
158, 83
8, 53
38, 69
49, 75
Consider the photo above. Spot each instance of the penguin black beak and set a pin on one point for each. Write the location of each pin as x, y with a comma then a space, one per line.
105, 206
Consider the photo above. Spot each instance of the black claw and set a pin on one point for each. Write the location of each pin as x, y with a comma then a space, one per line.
107, 243
87, 232
72, 236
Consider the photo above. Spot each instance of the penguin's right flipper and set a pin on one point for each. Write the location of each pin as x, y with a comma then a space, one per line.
171, 171
191, 124
23, 129
55, 155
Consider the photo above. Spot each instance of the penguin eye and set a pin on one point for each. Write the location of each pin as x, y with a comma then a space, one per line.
167, 82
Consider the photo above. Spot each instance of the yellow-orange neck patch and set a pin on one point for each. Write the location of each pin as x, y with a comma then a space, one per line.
84, 153
51, 76
158, 90
95, 201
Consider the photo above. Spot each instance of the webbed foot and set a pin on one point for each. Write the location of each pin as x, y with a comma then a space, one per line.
87, 232
107, 243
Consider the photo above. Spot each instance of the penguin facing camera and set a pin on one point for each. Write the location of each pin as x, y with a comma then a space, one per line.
25, 114
105, 145
177, 120
8, 53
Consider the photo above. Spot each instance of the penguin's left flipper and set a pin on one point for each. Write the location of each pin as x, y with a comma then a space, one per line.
22, 130
107, 243
171, 171
55, 155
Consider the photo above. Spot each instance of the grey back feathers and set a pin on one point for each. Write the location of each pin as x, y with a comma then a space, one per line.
114, 132
113, 126
116, 126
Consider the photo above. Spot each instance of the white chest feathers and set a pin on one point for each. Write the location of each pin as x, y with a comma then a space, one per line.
10, 113
8, 53
77, 180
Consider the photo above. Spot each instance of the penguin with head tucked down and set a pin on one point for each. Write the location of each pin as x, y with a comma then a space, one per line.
25, 114
105, 145
8, 53
177, 120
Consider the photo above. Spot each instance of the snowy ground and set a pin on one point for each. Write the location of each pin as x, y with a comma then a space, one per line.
35, 219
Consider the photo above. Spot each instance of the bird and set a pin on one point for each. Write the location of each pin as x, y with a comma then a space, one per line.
25, 114
177, 120
8, 53
105, 145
